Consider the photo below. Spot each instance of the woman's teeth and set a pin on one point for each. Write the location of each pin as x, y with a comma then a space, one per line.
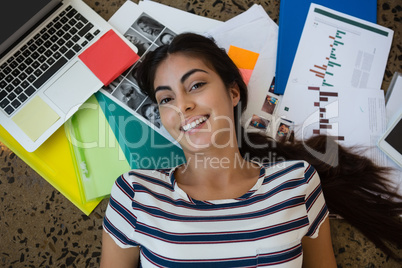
194, 123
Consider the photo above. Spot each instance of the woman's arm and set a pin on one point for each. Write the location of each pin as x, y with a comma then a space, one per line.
318, 252
115, 256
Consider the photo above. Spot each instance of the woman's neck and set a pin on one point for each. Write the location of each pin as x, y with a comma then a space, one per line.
222, 174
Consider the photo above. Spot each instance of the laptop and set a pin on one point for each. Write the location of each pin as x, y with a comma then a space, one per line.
42, 80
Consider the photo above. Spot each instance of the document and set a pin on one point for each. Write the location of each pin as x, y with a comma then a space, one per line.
336, 49
354, 116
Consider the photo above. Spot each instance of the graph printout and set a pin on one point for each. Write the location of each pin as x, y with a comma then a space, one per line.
353, 116
336, 49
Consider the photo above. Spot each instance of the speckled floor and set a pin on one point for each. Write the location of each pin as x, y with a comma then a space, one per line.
39, 227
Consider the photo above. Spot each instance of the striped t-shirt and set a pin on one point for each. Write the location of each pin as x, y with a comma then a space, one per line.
264, 227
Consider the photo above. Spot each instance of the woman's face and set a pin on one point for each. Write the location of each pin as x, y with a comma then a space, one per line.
194, 104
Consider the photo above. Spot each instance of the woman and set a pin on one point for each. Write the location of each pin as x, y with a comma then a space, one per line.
226, 207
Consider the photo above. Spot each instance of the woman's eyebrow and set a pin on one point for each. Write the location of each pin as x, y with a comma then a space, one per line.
182, 80
189, 73
162, 88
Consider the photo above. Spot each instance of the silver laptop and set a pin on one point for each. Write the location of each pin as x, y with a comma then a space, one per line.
42, 80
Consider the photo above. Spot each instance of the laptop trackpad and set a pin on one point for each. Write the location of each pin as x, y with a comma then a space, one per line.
73, 88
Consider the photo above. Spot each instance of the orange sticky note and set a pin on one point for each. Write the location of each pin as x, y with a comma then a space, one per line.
108, 57
243, 58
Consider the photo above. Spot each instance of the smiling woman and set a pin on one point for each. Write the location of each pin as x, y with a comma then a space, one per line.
197, 107
230, 205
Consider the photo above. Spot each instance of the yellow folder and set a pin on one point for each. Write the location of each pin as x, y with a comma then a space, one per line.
53, 161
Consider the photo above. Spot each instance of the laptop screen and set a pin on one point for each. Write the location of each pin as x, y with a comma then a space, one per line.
19, 16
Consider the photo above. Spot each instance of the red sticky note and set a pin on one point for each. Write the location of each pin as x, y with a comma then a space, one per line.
108, 57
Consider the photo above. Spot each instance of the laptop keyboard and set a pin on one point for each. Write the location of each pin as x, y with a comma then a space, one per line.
42, 56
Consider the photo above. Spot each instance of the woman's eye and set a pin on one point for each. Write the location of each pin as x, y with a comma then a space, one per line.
197, 85
165, 100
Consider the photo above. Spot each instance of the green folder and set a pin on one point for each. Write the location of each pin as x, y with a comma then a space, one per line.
98, 157
106, 141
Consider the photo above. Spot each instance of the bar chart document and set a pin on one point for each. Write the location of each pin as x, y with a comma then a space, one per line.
336, 49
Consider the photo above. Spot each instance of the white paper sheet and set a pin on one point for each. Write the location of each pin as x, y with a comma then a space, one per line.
336, 49
355, 115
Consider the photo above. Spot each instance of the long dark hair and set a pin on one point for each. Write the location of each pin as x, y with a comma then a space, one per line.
354, 187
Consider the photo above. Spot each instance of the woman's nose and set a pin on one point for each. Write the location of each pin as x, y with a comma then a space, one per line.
185, 104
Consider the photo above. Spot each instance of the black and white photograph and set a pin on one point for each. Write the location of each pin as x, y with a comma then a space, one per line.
129, 93
165, 38
149, 110
149, 27
138, 40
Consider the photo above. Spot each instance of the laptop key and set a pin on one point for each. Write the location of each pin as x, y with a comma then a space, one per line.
13, 64
16, 103
72, 22
22, 76
38, 72
31, 78
9, 110
81, 18
57, 25
3, 94
16, 82
28, 61
24, 84
4, 103
50, 72
50, 61
16, 72
89, 36
9, 88
29, 91
71, 13
18, 90
35, 64
22, 97
29, 70
9, 78
70, 54
7, 70
77, 48
22, 66
44, 66
56, 55
11, 96
86, 29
